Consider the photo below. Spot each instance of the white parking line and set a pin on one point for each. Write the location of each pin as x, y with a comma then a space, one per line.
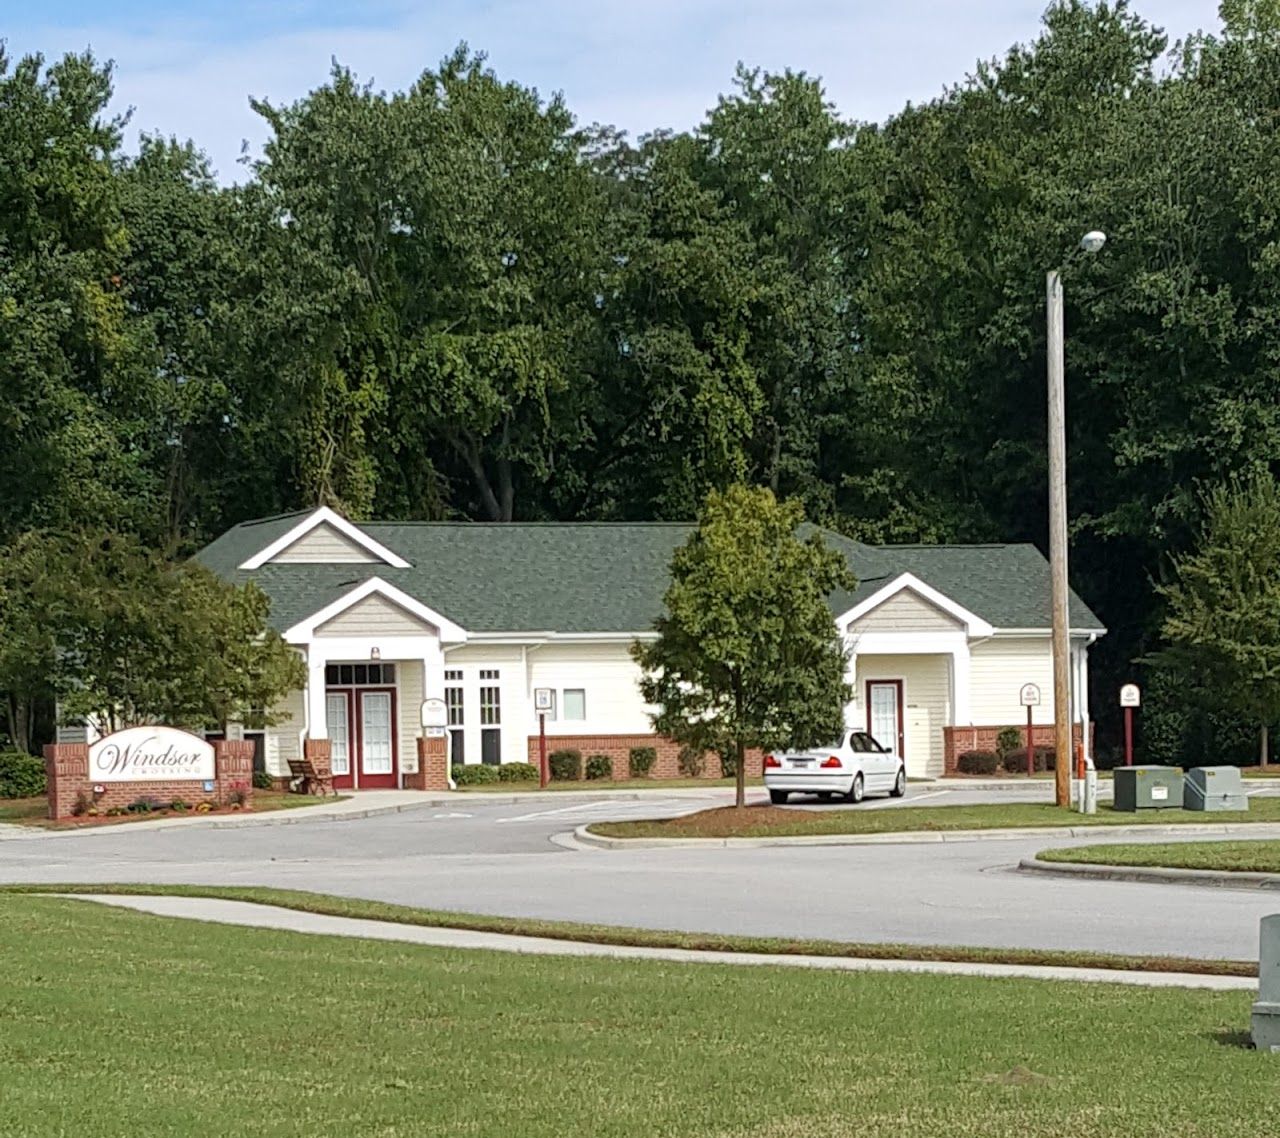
548, 813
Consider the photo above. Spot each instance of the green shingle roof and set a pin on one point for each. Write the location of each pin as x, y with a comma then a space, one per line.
603, 576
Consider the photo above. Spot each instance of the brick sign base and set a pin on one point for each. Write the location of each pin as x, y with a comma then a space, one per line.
433, 766
67, 768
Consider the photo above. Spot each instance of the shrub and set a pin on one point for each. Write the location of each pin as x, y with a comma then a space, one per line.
566, 765
116, 811
1042, 757
201, 808
474, 774
978, 762
21, 775
146, 804
599, 766
180, 805
82, 805
238, 795
641, 760
1009, 739
262, 781
517, 772
691, 762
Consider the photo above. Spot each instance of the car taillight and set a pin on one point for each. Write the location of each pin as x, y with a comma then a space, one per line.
833, 761
770, 761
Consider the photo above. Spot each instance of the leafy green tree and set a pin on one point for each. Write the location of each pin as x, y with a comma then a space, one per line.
747, 653
1223, 618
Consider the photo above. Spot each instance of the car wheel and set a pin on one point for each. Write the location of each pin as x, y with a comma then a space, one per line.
900, 783
778, 797
857, 790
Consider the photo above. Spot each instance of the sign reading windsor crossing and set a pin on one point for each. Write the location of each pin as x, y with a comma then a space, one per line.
151, 754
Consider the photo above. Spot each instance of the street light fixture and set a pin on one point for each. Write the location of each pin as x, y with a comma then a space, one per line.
1091, 242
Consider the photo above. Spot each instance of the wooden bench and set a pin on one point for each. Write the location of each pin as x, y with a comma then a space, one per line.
309, 777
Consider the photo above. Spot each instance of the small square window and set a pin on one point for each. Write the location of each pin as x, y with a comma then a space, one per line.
453, 675
388, 674
331, 674
344, 674
575, 703
488, 673
362, 673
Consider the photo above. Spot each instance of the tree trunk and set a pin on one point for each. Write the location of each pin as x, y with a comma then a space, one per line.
1263, 736
740, 777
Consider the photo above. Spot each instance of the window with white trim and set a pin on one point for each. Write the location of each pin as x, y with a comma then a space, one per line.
490, 718
453, 702
575, 703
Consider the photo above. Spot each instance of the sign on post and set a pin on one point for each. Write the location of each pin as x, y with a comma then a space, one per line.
1029, 696
1130, 697
151, 754
544, 699
435, 718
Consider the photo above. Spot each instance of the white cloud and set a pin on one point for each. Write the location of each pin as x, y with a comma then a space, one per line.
660, 63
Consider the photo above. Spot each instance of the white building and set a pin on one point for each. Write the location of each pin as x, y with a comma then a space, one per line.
942, 638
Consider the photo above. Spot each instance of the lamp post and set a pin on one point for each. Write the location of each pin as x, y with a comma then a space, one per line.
1091, 242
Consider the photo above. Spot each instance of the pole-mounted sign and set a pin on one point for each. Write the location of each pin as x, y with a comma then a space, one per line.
1029, 697
544, 700
1130, 697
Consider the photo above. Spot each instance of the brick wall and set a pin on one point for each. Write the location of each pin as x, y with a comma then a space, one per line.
433, 765
618, 748
957, 740
67, 770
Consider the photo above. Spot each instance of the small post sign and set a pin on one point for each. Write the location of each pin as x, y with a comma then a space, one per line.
544, 700
435, 718
1029, 696
1130, 697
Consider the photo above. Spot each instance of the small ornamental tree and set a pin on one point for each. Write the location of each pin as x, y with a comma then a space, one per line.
747, 653
1223, 620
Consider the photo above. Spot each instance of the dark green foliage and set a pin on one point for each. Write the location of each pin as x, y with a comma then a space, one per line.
474, 774
640, 761
1009, 739
565, 765
1015, 761
978, 762
517, 772
599, 767
21, 775
691, 762
262, 781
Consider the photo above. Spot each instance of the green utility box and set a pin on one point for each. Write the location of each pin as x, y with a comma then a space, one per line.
1148, 788
1214, 788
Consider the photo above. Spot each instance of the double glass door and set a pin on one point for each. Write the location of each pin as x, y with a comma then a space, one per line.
362, 734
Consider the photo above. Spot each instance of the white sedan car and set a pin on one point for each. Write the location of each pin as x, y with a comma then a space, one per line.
854, 767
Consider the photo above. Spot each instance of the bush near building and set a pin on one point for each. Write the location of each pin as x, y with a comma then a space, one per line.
21, 775
565, 765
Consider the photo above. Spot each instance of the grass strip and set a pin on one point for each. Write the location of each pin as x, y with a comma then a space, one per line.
1228, 857
333, 906
776, 821
35, 811
125, 1025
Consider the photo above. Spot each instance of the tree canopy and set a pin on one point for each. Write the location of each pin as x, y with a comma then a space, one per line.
457, 301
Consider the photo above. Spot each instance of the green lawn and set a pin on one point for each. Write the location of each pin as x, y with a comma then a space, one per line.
118, 1024
772, 821
35, 811
1240, 857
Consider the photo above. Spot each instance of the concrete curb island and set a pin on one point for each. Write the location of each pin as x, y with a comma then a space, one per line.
1153, 875
253, 915
912, 837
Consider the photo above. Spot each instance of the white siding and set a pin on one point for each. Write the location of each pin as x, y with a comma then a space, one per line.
409, 692
324, 545
998, 669
906, 611
374, 616
281, 742
608, 676
926, 691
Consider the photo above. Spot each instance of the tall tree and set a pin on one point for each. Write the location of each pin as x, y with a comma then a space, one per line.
747, 653
1223, 620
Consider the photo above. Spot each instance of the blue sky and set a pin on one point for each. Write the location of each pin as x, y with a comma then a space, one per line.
189, 68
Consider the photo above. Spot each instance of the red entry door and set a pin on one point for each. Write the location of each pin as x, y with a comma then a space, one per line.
362, 730
885, 714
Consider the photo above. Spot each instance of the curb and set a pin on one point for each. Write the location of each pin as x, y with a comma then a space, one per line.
1152, 875
914, 837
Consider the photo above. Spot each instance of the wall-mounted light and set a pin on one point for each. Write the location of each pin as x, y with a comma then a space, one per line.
375, 653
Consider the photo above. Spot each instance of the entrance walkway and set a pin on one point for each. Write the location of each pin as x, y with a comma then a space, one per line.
270, 917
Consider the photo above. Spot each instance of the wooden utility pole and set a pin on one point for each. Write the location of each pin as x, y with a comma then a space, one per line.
1058, 543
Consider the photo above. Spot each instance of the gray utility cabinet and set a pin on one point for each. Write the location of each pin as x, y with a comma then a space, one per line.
1214, 788
1148, 788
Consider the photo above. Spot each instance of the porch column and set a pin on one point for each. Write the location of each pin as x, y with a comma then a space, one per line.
961, 714
1081, 674
317, 712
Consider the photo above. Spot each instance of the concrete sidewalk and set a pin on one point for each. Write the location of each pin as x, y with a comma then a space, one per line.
270, 917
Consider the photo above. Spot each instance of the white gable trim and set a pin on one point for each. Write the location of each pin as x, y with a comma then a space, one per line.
321, 517
305, 630
973, 623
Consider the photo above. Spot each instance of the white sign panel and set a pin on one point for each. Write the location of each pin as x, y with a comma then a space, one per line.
434, 713
1159, 794
151, 754
1130, 696
1029, 696
544, 699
